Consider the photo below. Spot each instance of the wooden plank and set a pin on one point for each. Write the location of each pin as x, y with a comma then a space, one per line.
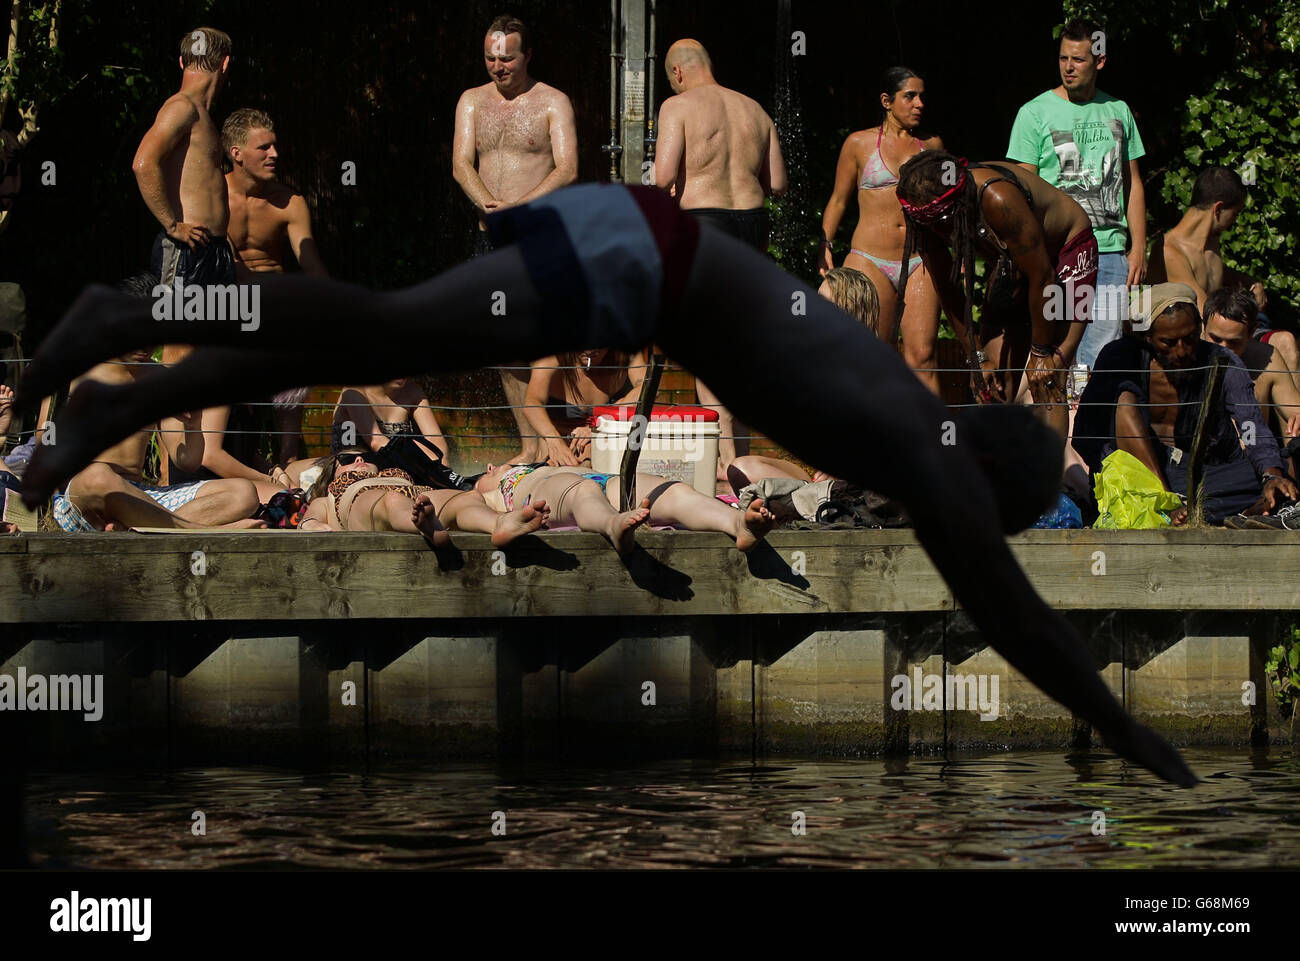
321, 577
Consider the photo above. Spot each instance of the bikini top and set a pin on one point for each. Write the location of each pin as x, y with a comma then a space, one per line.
875, 173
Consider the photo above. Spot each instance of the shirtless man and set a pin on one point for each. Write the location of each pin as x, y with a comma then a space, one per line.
719, 155
267, 221
674, 282
1046, 245
1230, 318
1190, 252
515, 141
178, 170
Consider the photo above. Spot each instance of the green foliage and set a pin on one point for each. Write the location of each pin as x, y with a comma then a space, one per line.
1283, 672
1243, 87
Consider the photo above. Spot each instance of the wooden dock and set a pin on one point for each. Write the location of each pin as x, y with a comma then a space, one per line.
288, 647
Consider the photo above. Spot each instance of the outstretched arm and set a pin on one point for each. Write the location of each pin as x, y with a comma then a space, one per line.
301, 241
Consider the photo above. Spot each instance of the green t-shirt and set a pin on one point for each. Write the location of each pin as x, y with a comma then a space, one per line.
1082, 149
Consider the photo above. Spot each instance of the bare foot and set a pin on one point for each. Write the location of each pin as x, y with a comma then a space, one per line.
520, 521
425, 518
8, 527
754, 525
6, 408
620, 528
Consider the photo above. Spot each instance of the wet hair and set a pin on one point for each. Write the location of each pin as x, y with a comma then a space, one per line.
139, 285
894, 79
329, 466
1081, 30
854, 293
234, 132
921, 180
214, 43
1020, 455
508, 24
1218, 185
1232, 304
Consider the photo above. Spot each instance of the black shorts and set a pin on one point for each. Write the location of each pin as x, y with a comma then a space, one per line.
210, 264
748, 226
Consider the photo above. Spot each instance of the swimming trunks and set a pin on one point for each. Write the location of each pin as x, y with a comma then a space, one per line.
172, 497
213, 263
748, 226
1076, 269
890, 268
607, 260
875, 173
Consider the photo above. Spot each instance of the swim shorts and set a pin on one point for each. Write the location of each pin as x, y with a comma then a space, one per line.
210, 264
1077, 264
608, 260
172, 497
747, 226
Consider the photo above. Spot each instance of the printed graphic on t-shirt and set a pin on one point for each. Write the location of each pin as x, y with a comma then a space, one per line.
1099, 192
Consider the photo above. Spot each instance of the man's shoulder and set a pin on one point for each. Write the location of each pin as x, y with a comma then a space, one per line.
1038, 104
1110, 105
179, 106
553, 95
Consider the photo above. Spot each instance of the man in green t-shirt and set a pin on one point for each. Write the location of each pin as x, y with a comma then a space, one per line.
1085, 143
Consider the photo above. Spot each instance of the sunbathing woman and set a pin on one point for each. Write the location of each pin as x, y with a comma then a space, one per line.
624, 266
352, 494
589, 500
582, 380
867, 170
380, 412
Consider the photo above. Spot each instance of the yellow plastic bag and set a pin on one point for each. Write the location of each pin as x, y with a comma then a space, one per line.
1129, 496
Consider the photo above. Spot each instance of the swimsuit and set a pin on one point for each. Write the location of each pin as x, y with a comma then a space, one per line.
172, 498
212, 263
876, 175
890, 268
510, 479
608, 261
343, 490
748, 226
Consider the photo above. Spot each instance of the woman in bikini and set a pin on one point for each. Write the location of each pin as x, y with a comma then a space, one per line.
589, 501
383, 411
581, 381
868, 167
353, 494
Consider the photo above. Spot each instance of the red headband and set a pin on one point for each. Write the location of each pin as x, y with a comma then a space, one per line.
929, 212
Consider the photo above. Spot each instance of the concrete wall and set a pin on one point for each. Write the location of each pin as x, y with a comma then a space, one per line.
814, 686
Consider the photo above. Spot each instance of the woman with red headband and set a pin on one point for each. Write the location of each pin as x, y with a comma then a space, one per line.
868, 167
1040, 285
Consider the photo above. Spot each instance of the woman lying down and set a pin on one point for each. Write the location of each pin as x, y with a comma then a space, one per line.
353, 494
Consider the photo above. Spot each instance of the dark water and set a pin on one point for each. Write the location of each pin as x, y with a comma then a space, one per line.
1009, 809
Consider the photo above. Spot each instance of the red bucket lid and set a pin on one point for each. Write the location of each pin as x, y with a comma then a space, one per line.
666, 412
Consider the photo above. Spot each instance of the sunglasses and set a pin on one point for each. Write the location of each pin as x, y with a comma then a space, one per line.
346, 460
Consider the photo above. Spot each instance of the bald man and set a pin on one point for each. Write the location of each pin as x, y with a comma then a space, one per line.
718, 154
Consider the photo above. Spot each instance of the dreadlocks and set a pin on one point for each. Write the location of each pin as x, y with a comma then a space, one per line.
926, 184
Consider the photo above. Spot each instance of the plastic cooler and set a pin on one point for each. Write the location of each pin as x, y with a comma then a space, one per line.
681, 443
